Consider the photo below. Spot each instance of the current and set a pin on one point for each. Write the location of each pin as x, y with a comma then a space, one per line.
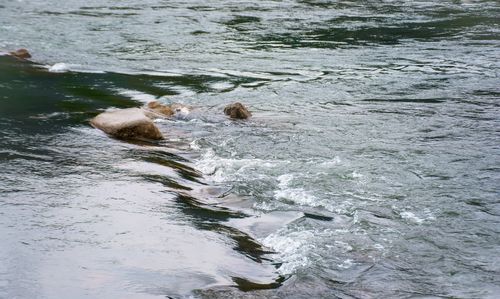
370, 167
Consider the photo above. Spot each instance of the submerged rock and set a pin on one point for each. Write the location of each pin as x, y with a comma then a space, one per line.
237, 111
157, 107
129, 123
21, 54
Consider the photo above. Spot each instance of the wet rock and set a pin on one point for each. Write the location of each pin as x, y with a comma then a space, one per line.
157, 107
237, 111
21, 54
129, 123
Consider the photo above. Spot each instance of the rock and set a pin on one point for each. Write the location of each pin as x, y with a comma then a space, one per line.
237, 111
155, 109
21, 54
129, 123
159, 108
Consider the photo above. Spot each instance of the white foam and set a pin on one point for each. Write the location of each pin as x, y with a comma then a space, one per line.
222, 86
335, 161
182, 91
137, 95
346, 264
59, 67
410, 216
181, 112
194, 145
162, 73
364, 196
293, 249
224, 169
356, 175
208, 165
297, 195
62, 67
343, 246
266, 206
284, 180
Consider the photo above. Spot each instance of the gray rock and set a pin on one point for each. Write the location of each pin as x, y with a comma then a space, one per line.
129, 123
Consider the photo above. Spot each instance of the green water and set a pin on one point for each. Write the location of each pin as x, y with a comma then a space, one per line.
370, 167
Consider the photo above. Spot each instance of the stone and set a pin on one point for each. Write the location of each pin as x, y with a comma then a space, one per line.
129, 123
21, 54
237, 111
157, 107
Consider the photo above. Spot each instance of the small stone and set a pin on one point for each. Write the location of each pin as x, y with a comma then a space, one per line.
237, 111
21, 54
159, 108
176, 110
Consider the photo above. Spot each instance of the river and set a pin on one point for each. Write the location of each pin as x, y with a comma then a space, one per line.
370, 167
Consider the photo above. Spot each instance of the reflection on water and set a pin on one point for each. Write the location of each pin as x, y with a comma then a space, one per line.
369, 168
89, 210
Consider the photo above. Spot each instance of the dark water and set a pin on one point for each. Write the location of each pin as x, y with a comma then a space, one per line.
371, 167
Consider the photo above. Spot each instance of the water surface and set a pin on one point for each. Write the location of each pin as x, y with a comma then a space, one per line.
369, 170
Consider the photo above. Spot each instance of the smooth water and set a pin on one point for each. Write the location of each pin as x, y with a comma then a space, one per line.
371, 167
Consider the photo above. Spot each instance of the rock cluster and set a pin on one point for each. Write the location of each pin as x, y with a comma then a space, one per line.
137, 123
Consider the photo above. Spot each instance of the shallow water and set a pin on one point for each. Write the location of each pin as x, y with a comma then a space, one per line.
370, 168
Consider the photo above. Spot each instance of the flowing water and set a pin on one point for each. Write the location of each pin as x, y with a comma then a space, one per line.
370, 167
